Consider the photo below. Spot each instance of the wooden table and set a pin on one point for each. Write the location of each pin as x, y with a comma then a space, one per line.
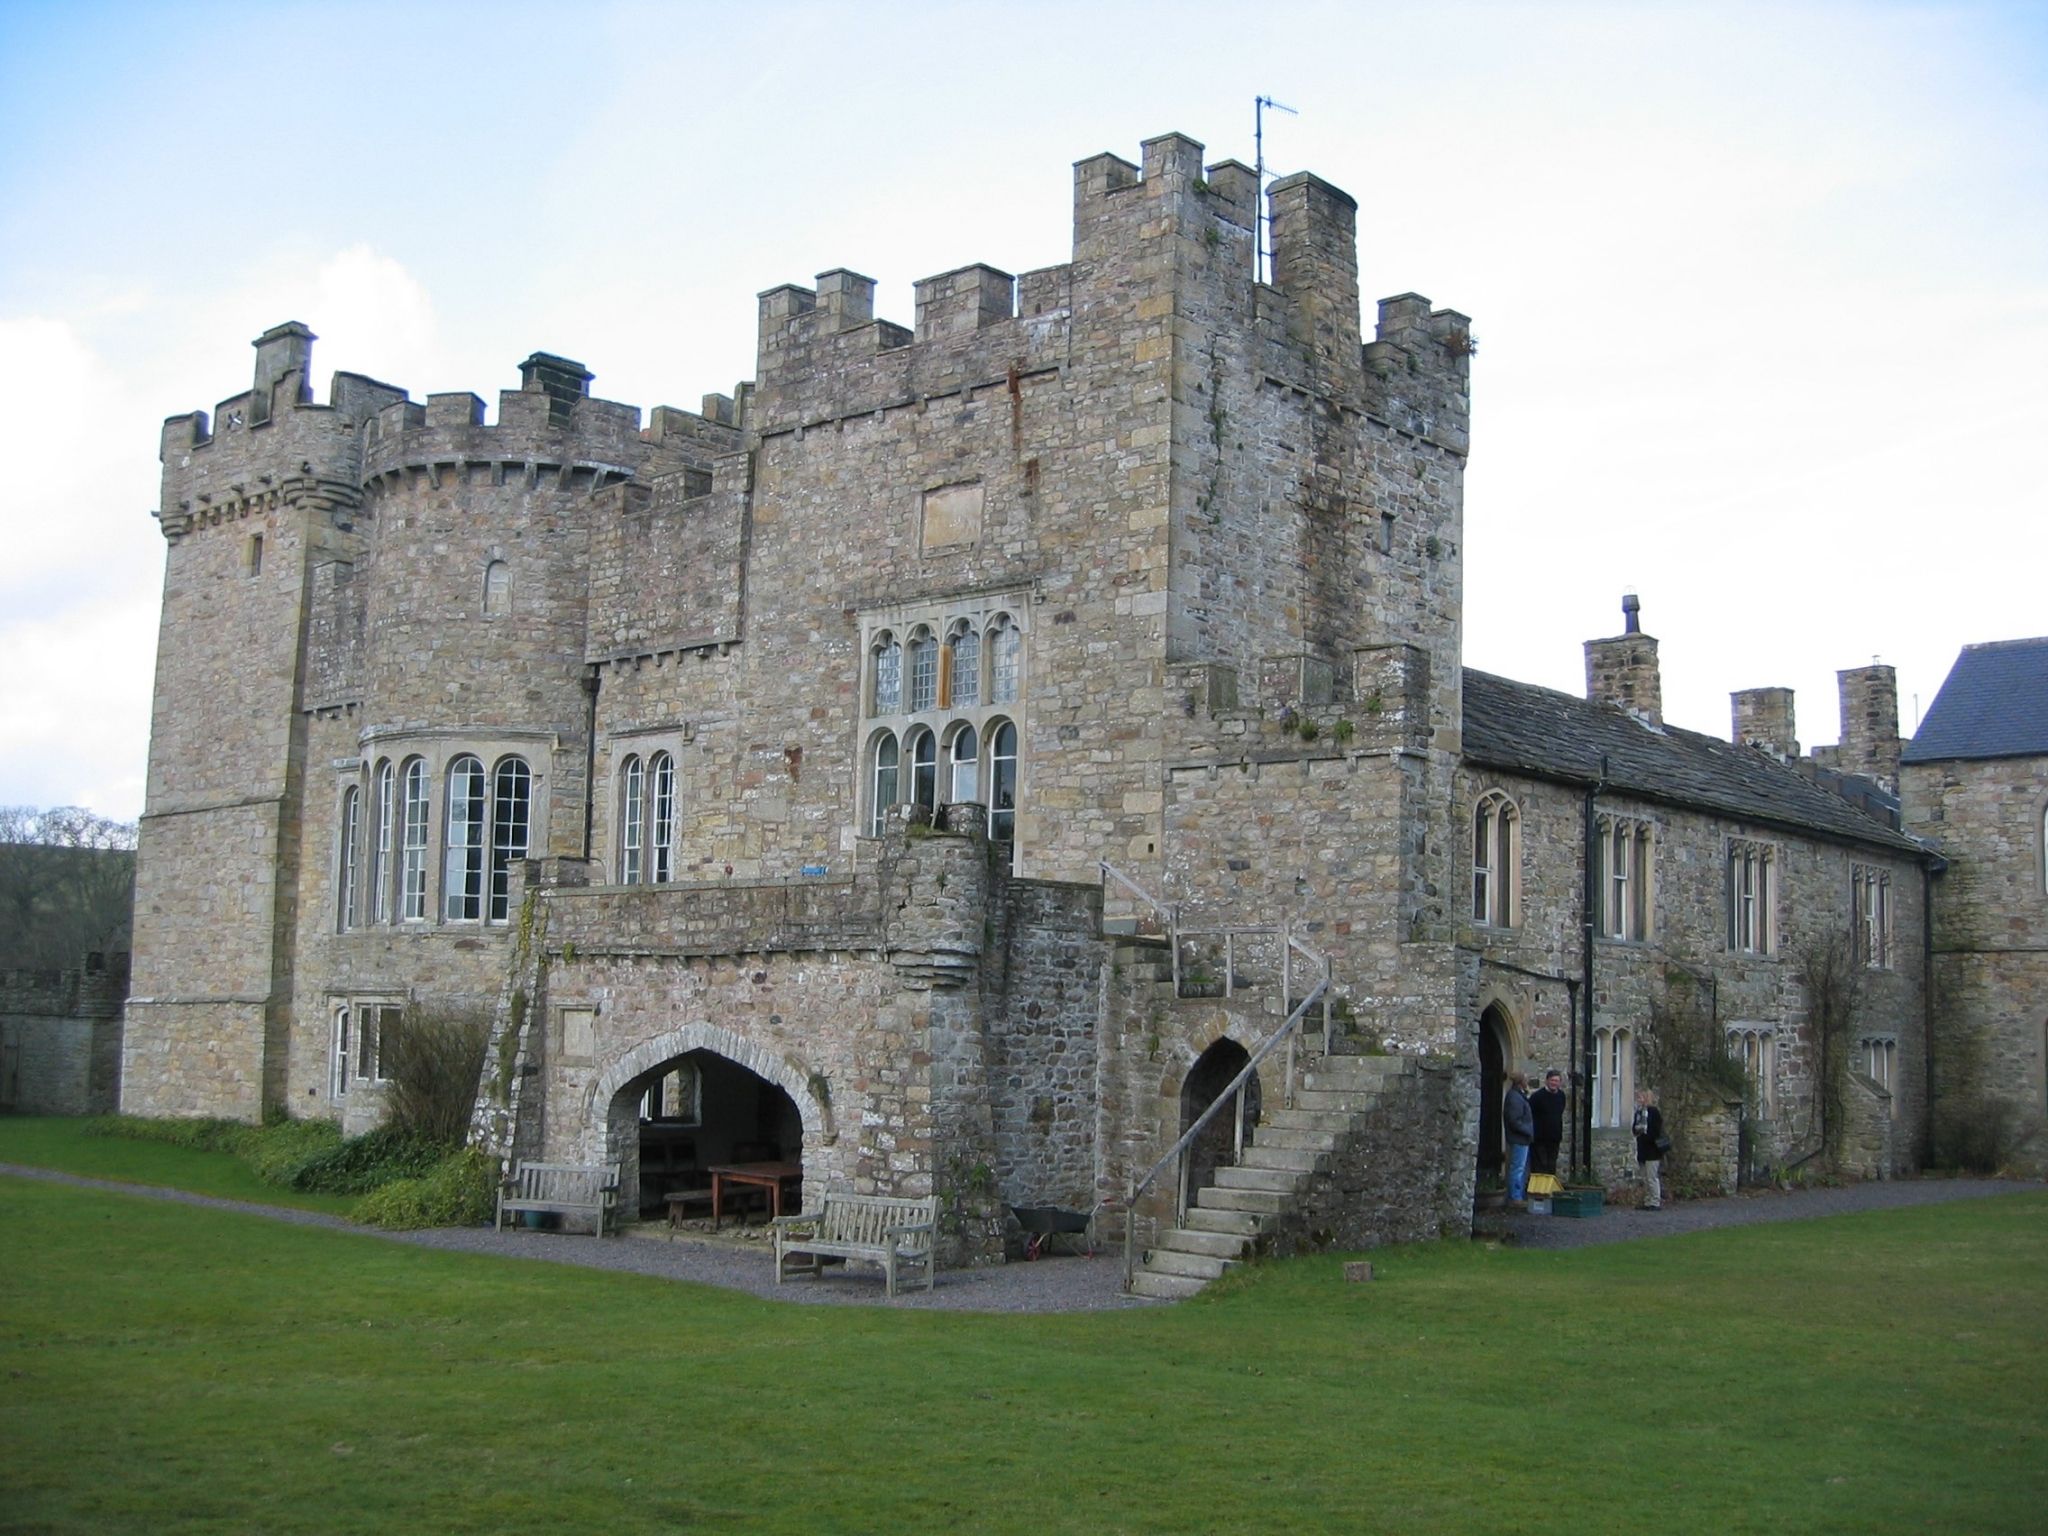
769, 1176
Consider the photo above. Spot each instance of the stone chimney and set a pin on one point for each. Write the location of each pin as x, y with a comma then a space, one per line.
280, 351
1622, 671
1763, 718
563, 380
1870, 723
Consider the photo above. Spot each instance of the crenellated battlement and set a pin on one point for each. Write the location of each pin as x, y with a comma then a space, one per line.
260, 444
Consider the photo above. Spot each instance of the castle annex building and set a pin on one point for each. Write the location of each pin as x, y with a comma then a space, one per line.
945, 762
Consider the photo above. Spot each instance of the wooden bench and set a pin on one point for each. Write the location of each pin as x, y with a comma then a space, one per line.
882, 1229
565, 1189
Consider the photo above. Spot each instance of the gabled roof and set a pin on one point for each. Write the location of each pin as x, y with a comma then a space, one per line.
1521, 728
1994, 704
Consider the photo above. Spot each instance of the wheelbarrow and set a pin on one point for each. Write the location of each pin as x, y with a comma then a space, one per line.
1043, 1223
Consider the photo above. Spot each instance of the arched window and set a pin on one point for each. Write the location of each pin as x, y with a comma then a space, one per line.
884, 785
412, 852
346, 862
924, 769
966, 757
963, 670
497, 589
344, 1042
632, 806
384, 821
1496, 860
886, 689
1624, 878
1002, 783
661, 827
1614, 1077
924, 670
1006, 658
462, 870
511, 810
1756, 1047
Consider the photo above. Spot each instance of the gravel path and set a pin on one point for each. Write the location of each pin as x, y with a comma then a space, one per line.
1058, 1284
1621, 1224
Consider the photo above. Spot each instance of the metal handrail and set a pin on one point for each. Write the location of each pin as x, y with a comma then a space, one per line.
1231, 1094
1170, 916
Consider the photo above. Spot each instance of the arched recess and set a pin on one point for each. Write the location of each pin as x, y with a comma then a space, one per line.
611, 1122
1216, 1147
1497, 1056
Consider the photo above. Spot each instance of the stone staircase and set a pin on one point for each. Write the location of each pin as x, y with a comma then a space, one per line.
1253, 1198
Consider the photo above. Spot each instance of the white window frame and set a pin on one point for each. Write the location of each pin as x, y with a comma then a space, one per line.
1752, 870
885, 789
1870, 888
661, 818
511, 836
921, 672
384, 810
359, 1028
464, 832
1755, 1046
348, 880
1002, 781
632, 813
963, 666
1614, 1076
1627, 882
416, 806
963, 766
1496, 860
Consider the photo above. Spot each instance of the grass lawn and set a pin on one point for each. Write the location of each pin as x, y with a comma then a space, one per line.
173, 1369
48, 1142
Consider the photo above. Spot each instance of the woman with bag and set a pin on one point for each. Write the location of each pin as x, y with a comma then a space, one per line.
1651, 1145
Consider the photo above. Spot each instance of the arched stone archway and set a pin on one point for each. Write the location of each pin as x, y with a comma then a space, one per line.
1496, 1058
612, 1122
1217, 1146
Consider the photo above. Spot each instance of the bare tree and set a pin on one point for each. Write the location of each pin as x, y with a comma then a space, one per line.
67, 880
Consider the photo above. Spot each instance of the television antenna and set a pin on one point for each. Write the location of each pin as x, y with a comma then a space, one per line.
1262, 222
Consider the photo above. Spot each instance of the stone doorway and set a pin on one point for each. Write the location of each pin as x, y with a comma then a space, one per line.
1217, 1146
1493, 1082
670, 1125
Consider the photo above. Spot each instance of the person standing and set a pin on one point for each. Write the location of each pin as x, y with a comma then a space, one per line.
1520, 1126
1546, 1106
1651, 1145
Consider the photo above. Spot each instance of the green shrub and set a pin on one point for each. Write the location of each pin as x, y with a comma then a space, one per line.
1975, 1131
364, 1163
277, 1152
200, 1135
434, 1062
458, 1191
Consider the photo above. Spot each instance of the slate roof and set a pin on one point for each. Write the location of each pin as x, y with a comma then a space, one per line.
1994, 704
1537, 731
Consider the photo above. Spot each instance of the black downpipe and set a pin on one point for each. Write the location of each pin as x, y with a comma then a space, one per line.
1929, 868
1588, 916
590, 682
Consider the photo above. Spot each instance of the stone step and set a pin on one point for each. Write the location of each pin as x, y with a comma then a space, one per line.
1267, 1202
1294, 1138
1335, 1101
1217, 1245
1280, 1180
1241, 1224
1165, 1287
1356, 1071
1332, 1121
1196, 1266
1264, 1154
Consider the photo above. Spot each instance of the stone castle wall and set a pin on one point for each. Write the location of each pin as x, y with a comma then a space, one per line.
1687, 964
60, 1040
1990, 932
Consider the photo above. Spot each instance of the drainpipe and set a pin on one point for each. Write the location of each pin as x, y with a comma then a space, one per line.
1930, 866
590, 682
1587, 917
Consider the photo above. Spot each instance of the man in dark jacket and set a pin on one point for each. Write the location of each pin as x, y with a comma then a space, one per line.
1546, 1105
1521, 1129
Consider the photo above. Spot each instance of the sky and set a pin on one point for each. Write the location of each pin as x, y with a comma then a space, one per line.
1760, 291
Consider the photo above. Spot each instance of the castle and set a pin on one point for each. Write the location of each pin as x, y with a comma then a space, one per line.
949, 760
